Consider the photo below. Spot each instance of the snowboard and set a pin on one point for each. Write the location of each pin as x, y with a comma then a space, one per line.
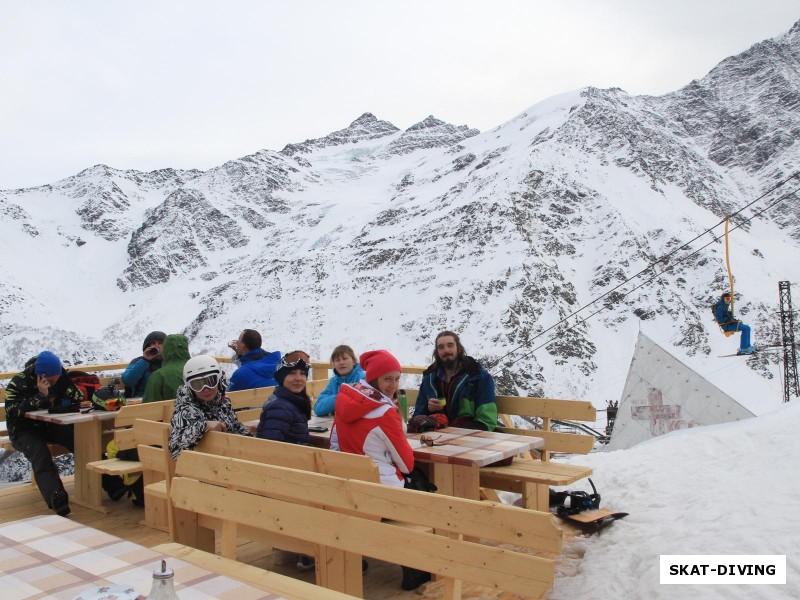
595, 519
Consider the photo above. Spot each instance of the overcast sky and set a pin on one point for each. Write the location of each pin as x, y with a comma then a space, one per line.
190, 84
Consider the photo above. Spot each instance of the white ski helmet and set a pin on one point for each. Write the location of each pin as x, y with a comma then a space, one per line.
200, 366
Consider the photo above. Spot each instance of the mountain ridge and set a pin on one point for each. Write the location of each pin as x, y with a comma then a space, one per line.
381, 237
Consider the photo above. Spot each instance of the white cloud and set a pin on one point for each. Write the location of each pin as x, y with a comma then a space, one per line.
192, 84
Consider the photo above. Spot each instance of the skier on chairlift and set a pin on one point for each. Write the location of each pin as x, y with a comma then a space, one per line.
727, 322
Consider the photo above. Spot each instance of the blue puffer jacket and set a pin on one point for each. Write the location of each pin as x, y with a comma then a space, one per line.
257, 370
327, 397
284, 417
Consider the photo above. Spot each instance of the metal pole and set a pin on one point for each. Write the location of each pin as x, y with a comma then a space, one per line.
790, 384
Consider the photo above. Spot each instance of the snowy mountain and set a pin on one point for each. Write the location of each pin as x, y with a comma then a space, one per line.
379, 237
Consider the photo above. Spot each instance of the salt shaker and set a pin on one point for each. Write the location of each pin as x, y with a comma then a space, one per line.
163, 584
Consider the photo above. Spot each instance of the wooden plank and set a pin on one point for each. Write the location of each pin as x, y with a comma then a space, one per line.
548, 473
153, 458
153, 433
495, 567
260, 536
259, 578
125, 439
572, 443
313, 388
248, 414
570, 410
501, 523
152, 411
251, 398
306, 458
115, 466
86, 368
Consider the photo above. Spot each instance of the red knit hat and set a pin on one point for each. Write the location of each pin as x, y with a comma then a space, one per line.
377, 363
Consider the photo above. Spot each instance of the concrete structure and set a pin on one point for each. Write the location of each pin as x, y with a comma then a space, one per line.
662, 394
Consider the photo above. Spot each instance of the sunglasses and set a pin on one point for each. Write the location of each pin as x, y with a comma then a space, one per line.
429, 441
198, 384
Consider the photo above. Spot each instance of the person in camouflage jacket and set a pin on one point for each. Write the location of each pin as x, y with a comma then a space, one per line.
43, 384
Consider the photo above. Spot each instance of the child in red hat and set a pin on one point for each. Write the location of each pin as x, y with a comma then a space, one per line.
366, 420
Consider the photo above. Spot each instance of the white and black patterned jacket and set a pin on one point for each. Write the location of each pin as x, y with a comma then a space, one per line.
189, 419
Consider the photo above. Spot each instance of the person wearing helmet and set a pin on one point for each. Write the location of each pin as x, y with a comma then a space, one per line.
201, 405
723, 316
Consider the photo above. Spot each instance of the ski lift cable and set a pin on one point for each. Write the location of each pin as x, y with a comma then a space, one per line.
657, 275
654, 264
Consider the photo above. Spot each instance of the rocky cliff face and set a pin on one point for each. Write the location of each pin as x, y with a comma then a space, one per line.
380, 237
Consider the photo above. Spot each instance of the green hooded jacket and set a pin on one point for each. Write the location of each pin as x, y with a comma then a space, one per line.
164, 383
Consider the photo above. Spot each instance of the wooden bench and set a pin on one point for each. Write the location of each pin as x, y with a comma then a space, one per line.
342, 519
124, 435
532, 476
151, 438
528, 476
246, 403
158, 467
305, 458
152, 430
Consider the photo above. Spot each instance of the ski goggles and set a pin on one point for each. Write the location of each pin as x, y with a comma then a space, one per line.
198, 384
295, 364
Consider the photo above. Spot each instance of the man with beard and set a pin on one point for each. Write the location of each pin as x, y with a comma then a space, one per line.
456, 385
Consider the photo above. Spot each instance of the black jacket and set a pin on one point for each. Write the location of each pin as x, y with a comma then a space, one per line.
22, 395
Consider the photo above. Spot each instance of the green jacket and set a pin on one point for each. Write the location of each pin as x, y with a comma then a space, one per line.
164, 383
22, 396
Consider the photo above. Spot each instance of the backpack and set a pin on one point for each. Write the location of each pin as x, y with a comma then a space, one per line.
85, 382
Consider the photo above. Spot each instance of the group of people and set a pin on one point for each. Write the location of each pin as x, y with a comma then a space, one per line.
362, 395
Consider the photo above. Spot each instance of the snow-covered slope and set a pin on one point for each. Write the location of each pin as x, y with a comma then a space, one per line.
379, 237
718, 490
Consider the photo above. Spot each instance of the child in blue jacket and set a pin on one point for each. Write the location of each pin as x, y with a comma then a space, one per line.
345, 370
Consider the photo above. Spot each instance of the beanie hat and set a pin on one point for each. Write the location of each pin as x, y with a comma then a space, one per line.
154, 336
377, 363
291, 362
47, 364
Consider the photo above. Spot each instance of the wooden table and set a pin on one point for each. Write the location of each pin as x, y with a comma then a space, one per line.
55, 558
88, 447
454, 465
